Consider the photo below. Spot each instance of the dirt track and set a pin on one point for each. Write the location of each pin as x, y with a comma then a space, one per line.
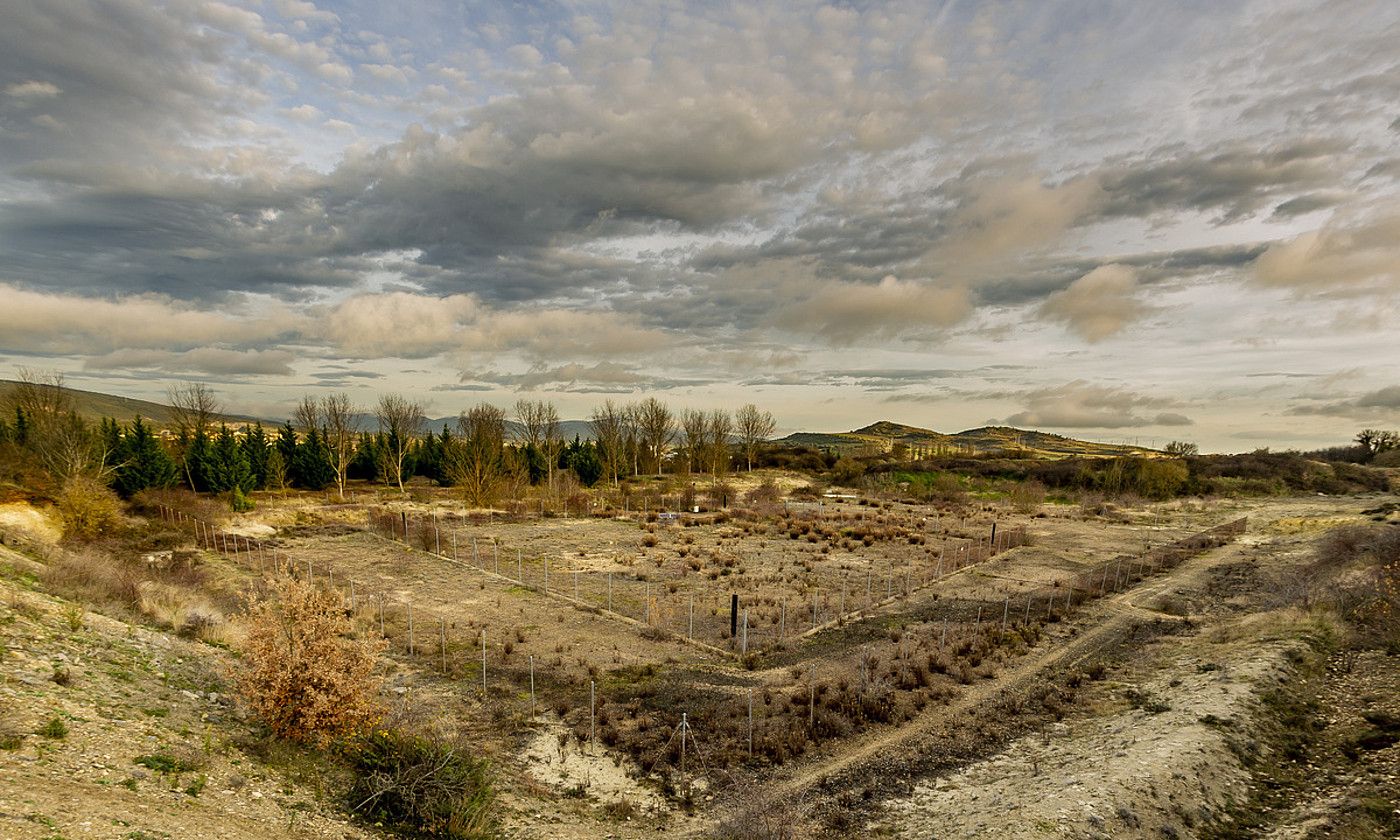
1105, 621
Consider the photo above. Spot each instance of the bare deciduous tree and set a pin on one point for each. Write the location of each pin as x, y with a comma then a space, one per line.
193, 408
719, 427
1182, 449
539, 427
608, 434
658, 430
307, 415
694, 425
1376, 441
477, 460
65, 445
529, 416
399, 420
338, 415
553, 439
753, 427
632, 436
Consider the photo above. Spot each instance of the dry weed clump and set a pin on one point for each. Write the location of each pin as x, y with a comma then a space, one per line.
1027, 496
92, 575
759, 816
424, 784
305, 673
1362, 565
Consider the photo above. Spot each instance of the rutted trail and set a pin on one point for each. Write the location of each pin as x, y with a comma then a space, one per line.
1101, 625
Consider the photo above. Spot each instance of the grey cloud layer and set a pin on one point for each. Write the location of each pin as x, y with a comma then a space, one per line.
626, 198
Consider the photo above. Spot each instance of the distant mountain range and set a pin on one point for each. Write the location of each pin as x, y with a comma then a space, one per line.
569, 428
881, 436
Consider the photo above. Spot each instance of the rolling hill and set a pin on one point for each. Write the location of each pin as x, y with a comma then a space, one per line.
885, 435
92, 405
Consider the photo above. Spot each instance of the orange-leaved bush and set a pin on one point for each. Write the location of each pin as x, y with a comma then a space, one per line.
305, 671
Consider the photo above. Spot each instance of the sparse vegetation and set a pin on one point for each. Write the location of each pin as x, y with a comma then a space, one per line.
856, 627
55, 728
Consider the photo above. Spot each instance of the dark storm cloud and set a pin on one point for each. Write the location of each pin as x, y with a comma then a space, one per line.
1235, 181
204, 360
572, 156
1309, 203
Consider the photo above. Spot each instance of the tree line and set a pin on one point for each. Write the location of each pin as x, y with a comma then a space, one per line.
486, 454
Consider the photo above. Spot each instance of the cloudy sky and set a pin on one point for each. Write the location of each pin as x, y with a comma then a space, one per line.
1140, 221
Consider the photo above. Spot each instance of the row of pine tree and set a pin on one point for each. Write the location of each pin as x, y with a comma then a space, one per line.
222, 461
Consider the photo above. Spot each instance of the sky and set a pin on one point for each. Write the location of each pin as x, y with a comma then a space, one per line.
1118, 221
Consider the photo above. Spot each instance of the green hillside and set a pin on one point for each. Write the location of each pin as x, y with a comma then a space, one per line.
92, 405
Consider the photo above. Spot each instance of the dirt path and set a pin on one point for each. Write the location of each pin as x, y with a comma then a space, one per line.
1107, 619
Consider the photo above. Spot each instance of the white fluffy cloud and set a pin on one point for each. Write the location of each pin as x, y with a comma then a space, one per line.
76, 325
400, 324
847, 313
32, 89
1337, 256
1098, 305
412, 325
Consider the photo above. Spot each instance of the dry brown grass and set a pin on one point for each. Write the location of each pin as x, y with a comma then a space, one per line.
89, 574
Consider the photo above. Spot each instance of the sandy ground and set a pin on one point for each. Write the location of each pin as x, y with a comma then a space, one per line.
1125, 772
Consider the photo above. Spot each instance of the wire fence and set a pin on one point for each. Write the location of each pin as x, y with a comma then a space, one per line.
722, 621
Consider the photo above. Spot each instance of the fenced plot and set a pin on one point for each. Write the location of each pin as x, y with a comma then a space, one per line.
549, 620
684, 579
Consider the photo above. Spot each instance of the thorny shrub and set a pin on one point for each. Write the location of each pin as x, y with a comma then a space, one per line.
305, 673
759, 816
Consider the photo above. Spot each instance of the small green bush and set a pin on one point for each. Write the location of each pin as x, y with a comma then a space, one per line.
421, 785
166, 763
55, 729
240, 501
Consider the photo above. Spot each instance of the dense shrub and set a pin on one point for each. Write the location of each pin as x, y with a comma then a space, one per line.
88, 508
420, 785
846, 471
1255, 473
